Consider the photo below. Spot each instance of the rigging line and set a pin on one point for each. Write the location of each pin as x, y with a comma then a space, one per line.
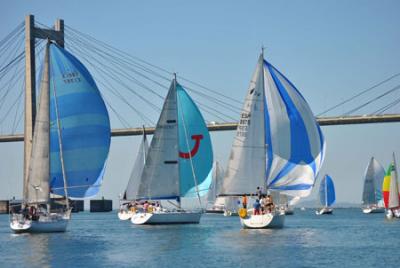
203, 105
8, 44
375, 99
155, 66
11, 83
121, 83
13, 44
118, 56
359, 94
223, 104
120, 51
118, 62
119, 117
13, 127
211, 90
124, 85
16, 29
14, 57
115, 92
386, 107
5, 116
226, 105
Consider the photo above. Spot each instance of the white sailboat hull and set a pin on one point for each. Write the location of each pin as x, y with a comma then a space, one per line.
392, 213
229, 213
167, 217
125, 215
269, 220
323, 211
52, 224
370, 210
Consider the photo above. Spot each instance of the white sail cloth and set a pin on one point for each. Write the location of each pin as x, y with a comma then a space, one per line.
279, 144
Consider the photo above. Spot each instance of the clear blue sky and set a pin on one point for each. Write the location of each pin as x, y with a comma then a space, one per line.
329, 49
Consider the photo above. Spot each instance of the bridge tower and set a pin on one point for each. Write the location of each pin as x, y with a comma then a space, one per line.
31, 33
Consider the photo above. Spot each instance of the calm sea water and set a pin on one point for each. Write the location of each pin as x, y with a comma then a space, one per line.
347, 238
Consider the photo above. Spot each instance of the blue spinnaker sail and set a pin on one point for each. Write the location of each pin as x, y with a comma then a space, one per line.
295, 143
195, 151
85, 127
327, 191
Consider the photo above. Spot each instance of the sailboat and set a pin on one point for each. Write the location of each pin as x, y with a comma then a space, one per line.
372, 193
391, 190
326, 195
216, 203
126, 208
70, 144
278, 146
286, 204
178, 163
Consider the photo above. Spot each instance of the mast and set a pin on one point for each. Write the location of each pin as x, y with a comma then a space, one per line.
177, 134
265, 186
60, 144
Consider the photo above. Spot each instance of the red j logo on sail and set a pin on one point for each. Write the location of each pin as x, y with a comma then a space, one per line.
193, 152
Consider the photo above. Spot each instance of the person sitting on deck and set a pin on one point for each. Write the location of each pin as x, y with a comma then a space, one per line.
256, 207
244, 201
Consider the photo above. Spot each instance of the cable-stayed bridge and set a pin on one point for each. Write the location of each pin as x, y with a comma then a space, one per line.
134, 88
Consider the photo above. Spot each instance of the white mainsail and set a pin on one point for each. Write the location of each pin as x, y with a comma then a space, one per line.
39, 166
374, 175
246, 166
134, 180
160, 177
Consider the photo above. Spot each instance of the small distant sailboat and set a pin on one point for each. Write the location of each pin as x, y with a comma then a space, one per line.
391, 190
326, 195
179, 161
217, 203
278, 146
70, 144
286, 204
372, 192
126, 211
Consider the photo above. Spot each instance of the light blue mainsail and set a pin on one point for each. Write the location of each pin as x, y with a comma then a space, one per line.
195, 151
327, 191
295, 144
85, 127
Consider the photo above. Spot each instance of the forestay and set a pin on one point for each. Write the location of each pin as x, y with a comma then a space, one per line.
85, 127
